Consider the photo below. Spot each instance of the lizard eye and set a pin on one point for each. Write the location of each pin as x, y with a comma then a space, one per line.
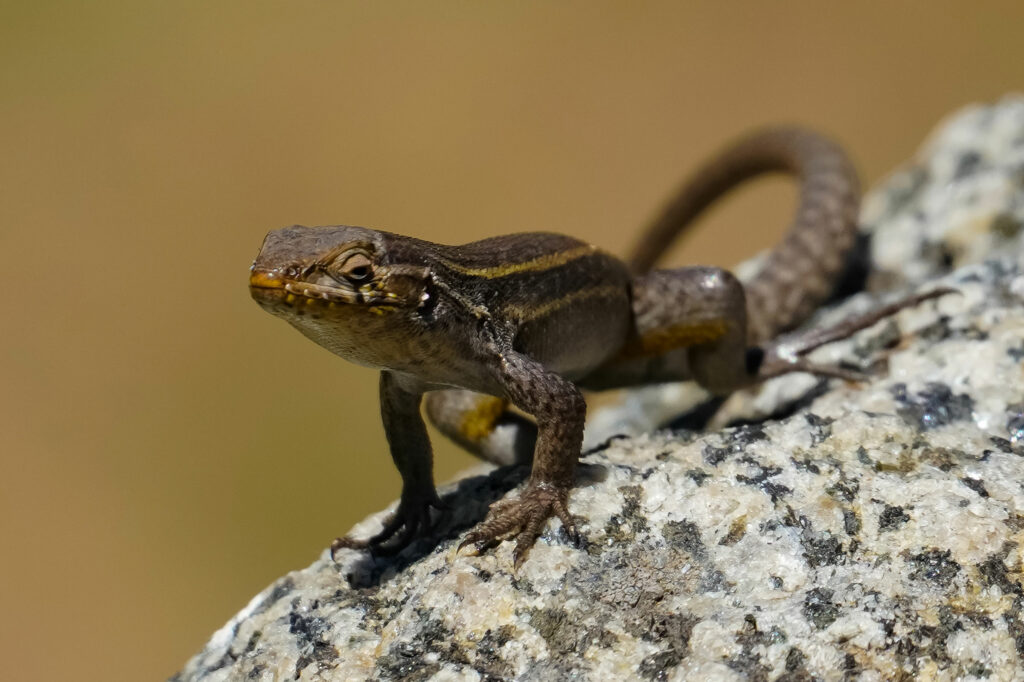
357, 268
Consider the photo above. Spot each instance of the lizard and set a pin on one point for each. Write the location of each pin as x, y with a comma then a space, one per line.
531, 320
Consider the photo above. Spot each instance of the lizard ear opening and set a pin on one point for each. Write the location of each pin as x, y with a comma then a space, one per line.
428, 298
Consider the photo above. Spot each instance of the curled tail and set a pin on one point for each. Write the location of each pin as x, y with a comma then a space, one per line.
800, 272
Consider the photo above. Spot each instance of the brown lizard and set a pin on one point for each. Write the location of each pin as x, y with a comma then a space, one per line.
531, 319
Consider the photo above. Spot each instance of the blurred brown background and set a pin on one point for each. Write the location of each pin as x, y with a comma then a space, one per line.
167, 448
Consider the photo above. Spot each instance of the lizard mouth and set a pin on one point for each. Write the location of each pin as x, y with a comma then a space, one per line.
272, 288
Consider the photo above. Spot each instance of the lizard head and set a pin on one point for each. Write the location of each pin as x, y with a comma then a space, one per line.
341, 286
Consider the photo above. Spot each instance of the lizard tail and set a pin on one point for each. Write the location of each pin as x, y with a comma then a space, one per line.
799, 273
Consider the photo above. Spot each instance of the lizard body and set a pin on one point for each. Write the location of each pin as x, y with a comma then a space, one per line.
531, 319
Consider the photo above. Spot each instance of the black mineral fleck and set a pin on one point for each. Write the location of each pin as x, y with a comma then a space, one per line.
310, 634
932, 407
892, 517
851, 522
934, 565
820, 427
698, 476
674, 631
1015, 424
686, 536
976, 485
819, 609
714, 456
820, 549
993, 571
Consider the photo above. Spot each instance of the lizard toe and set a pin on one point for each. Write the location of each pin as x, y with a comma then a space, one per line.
524, 518
410, 521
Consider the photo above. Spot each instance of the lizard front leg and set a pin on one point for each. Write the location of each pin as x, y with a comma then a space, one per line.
410, 449
560, 410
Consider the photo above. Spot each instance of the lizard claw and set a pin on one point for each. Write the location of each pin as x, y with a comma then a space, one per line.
524, 518
573, 534
410, 521
829, 371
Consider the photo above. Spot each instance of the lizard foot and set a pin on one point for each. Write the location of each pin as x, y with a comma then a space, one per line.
787, 353
410, 521
523, 517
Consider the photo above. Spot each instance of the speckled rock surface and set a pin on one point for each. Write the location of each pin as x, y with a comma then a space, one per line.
868, 531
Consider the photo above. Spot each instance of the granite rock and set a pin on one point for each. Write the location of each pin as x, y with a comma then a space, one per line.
822, 530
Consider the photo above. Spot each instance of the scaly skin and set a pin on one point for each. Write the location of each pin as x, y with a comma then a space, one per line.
801, 271
530, 319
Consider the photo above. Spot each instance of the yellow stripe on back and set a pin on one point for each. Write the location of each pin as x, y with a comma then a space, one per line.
537, 311
545, 262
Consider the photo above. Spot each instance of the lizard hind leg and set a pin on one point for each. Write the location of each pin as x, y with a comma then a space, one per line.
788, 353
689, 324
483, 425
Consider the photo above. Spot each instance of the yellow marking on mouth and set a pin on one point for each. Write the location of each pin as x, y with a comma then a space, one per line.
262, 279
545, 262
479, 422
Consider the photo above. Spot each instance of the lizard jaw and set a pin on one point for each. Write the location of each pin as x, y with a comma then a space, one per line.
270, 288
278, 294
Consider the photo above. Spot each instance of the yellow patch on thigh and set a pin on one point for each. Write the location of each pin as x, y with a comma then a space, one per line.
478, 423
683, 335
